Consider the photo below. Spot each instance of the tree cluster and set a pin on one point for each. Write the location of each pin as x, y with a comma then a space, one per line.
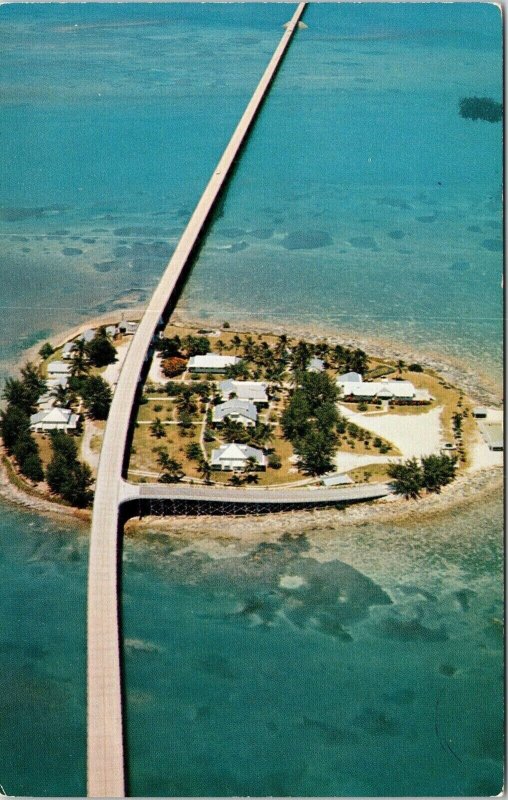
67, 476
98, 353
481, 108
22, 395
430, 473
310, 420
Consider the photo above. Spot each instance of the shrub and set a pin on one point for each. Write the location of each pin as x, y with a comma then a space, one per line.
173, 366
274, 461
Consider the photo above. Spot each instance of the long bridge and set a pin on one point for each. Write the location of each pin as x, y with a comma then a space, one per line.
115, 498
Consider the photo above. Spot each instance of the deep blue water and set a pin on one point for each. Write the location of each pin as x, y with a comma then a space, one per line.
363, 202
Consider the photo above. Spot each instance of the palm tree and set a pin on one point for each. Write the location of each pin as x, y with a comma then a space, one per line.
236, 342
220, 345
400, 366
79, 364
248, 347
61, 395
157, 428
171, 470
262, 433
235, 480
205, 469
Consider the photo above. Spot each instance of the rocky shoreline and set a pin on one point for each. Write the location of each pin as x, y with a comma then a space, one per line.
467, 489
464, 489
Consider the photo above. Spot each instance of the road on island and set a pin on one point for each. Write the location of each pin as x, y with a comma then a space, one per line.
105, 751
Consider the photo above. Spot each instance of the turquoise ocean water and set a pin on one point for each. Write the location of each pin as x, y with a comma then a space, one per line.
364, 202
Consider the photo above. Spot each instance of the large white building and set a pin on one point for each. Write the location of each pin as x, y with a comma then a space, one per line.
354, 389
211, 363
54, 419
232, 457
236, 410
254, 391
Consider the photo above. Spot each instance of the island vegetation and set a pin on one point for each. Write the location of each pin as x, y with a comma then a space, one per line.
302, 427
483, 108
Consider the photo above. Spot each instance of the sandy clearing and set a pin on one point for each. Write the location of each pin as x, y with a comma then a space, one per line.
156, 374
346, 461
112, 371
415, 435
87, 454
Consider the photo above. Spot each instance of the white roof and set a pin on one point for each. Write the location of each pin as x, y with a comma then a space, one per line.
316, 364
55, 415
68, 347
244, 408
212, 361
58, 367
398, 389
59, 380
88, 335
336, 479
349, 377
244, 390
238, 453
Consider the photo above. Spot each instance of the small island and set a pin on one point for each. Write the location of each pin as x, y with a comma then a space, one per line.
483, 108
223, 407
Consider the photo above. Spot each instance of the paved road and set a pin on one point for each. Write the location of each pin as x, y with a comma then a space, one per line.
262, 495
105, 757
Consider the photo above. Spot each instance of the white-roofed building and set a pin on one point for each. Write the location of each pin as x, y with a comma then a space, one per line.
231, 457
58, 368
128, 328
46, 401
67, 349
88, 335
336, 479
316, 365
350, 377
492, 432
211, 362
254, 391
243, 411
58, 380
381, 390
54, 419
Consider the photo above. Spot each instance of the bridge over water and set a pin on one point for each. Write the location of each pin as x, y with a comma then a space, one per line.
105, 750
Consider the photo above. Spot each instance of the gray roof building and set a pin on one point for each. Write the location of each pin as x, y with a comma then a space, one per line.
254, 391
234, 457
238, 410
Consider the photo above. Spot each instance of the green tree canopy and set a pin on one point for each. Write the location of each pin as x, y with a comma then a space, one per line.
97, 396
438, 471
101, 350
407, 478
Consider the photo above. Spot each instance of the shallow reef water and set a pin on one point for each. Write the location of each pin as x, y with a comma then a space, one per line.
360, 660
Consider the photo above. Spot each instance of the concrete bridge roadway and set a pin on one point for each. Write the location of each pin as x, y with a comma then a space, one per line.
105, 753
318, 496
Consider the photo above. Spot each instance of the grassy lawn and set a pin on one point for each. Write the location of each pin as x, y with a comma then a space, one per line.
44, 444
372, 473
144, 458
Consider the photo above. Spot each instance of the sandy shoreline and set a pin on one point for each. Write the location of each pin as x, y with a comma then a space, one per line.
466, 488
